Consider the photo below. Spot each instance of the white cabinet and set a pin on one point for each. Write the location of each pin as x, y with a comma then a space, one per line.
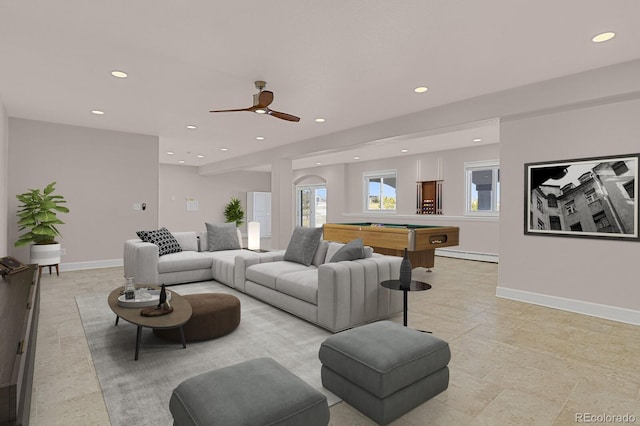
259, 210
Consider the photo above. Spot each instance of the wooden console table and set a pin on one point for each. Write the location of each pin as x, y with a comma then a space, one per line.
19, 311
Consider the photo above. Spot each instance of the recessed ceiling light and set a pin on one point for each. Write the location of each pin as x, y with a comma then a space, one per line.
170, 152
97, 112
420, 89
404, 150
200, 156
260, 138
603, 37
224, 149
320, 120
261, 111
191, 127
318, 163
181, 161
477, 140
356, 158
119, 74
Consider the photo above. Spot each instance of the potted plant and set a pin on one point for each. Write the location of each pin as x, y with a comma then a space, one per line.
38, 214
233, 212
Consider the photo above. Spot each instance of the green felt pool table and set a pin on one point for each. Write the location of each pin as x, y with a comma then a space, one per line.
391, 239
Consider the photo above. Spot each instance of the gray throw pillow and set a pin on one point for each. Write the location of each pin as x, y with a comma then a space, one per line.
303, 245
222, 236
351, 251
165, 241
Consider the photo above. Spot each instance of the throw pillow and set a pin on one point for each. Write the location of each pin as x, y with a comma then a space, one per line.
303, 245
223, 236
163, 239
351, 251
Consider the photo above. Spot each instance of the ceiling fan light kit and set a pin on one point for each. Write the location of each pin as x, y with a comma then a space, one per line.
261, 102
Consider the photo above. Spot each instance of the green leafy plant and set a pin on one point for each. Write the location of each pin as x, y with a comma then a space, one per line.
38, 214
233, 212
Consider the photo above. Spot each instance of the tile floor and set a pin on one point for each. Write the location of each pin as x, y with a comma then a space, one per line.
512, 363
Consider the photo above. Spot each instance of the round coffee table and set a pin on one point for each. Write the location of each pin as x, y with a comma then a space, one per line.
413, 286
176, 319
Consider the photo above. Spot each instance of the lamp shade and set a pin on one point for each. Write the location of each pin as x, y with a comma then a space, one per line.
253, 235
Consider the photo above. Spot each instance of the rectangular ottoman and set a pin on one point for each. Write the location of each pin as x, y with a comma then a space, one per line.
384, 369
255, 392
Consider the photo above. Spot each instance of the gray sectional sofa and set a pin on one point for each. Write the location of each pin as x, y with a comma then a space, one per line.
333, 295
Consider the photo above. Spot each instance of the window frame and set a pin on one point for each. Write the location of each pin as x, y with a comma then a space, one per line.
378, 174
471, 166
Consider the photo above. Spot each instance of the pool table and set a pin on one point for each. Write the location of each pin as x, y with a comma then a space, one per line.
391, 239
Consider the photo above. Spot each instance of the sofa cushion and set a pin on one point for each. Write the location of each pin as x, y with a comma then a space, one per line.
183, 261
303, 244
267, 273
332, 250
302, 285
222, 236
188, 240
353, 250
321, 253
163, 239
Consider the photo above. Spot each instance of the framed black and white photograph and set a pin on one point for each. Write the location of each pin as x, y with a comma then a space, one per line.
588, 198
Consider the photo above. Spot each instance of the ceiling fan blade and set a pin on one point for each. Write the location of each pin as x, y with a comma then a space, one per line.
250, 109
265, 98
283, 116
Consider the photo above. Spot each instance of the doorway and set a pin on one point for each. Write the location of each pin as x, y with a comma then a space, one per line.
311, 205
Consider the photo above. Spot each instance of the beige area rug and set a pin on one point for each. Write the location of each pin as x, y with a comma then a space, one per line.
138, 392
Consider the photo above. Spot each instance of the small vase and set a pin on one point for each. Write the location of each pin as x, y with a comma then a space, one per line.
405, 269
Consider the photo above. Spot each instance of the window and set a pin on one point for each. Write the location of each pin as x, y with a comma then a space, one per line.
571, 207
602, 222
630, 188
539, 204
554, 223
552, 201
540, 224
590, 195
619, 167
482, 188
576, 227
380, 191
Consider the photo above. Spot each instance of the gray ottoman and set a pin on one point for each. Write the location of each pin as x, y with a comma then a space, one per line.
384, 369
255, 392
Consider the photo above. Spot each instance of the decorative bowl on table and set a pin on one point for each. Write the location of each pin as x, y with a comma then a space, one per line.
144, 298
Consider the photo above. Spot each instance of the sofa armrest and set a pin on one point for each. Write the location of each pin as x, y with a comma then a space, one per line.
141, 261
239, 270
349, 293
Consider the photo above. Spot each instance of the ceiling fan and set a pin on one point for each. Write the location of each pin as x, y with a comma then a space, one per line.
261, 102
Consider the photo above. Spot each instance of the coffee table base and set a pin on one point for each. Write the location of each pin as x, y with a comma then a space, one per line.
139, 338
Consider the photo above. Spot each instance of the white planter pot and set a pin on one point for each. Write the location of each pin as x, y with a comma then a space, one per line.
45, 254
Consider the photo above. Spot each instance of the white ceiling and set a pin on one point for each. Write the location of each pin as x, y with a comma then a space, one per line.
352, 62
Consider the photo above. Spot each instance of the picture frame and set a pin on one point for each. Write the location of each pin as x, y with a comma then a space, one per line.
594, 197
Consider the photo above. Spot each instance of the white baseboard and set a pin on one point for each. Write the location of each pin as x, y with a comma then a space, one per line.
95, 264
613, 313
483, 257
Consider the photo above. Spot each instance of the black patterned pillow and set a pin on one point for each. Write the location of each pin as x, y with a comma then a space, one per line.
163, 239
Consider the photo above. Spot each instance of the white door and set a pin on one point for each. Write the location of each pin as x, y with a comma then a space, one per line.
259, 210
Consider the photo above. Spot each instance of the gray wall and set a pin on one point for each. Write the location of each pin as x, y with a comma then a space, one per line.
101, 173
4, 180
601, 272
179, 183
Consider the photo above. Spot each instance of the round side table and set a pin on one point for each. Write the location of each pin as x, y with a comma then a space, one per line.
413, 286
